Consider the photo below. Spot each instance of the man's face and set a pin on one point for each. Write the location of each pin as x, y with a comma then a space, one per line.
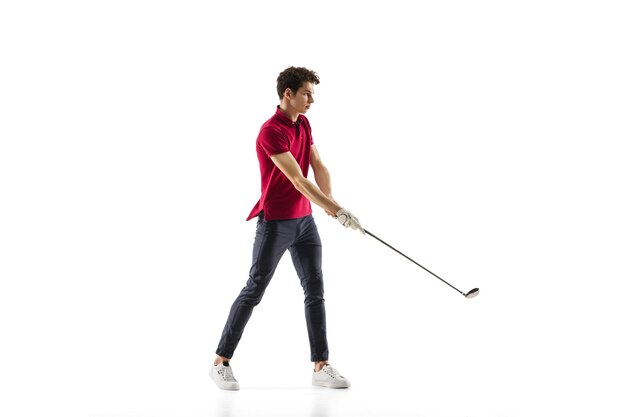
302, 100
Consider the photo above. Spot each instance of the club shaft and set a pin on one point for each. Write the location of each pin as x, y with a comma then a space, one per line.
416, 263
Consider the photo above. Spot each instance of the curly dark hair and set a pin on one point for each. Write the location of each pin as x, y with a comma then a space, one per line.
293, 78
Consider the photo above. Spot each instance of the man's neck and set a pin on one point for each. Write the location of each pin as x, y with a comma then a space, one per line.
289, 111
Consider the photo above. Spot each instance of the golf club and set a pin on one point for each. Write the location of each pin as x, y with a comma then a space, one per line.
470, 294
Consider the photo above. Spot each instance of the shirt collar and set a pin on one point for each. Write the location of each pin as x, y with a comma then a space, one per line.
287, 120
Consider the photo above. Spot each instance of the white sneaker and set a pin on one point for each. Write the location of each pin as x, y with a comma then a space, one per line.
223, 377
329, 377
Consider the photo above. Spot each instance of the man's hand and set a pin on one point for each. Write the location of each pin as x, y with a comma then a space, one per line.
348, 219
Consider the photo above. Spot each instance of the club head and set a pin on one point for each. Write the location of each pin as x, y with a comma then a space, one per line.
472, 293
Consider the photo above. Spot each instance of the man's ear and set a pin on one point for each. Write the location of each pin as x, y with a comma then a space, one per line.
288, 93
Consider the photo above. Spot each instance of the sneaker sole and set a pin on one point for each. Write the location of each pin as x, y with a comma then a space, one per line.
323, 385
233, 388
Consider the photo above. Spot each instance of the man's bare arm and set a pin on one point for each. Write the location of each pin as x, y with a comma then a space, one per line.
289, 166
321, 174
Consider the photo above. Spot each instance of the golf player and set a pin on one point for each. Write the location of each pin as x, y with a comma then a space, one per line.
285, 151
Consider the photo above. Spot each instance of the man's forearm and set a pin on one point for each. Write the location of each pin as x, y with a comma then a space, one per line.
317, 195
322, 178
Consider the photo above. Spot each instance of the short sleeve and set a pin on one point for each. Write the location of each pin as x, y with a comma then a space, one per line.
272, 141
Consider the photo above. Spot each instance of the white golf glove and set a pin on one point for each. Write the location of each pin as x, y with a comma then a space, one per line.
348, 219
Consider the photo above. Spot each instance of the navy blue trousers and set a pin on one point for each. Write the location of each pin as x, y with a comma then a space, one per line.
272, 240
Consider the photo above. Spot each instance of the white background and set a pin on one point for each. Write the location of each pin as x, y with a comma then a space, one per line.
481, 138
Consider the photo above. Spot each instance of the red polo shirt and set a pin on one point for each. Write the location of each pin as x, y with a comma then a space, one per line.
279, 198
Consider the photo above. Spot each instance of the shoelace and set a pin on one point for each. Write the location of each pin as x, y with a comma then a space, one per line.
226, 374
332, 372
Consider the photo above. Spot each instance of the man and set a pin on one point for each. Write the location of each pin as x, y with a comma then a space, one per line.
285, 151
